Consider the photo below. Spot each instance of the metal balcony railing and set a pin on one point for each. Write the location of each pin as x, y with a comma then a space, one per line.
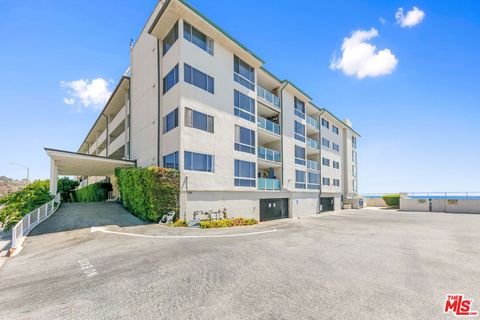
268, 125
268, 96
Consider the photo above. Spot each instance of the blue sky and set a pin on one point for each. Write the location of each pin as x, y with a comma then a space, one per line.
419, 122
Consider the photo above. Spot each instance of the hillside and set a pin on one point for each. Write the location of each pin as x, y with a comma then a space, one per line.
8, 185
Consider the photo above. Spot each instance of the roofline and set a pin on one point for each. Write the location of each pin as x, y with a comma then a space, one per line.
271, 74
124, 77
88, 155
297, 88
342, 122
201, 15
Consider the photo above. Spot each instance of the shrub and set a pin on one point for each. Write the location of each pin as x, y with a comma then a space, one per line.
226, 223
149, 193
93, 192
66, 188
20, 203
179, 223
392, 200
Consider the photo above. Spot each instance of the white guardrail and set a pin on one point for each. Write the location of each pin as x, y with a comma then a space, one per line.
31, 220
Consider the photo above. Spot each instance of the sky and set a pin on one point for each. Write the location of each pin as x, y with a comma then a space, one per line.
406, 73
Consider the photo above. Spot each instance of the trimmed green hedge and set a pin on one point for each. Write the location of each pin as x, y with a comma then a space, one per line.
149, 193
93, 192
392, 200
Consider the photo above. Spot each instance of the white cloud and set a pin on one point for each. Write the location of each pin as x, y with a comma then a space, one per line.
361, 59
413, 17
87, 93
382, 20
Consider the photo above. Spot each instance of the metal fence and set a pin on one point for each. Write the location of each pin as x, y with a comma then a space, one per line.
31, 220
444, 195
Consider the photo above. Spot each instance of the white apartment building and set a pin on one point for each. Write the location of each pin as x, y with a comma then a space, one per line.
197, 100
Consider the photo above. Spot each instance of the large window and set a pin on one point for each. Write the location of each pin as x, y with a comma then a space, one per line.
244, 140
326, 181
245, 174
299, 131
335, 147
300, 179
354, 142
326, 162
198, 79
336, 182
170, 79
334, 129
299, 155
198, 120
198, 162
243, 73
325, 143
196, 37
325, 123
336, 164
299, 108
313, 180
170, 39
170, 121
171, 160
244, 106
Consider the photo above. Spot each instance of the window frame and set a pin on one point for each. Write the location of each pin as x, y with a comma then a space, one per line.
209, 42
210, 165
238, 179
325, 143
241, 146
335, 129
165, 121
299, 113
325, 123
176, 162
240, 111
175, 35
210, 120
239, 77
191, 74
300, 184
298, 160
176, 75
299, 136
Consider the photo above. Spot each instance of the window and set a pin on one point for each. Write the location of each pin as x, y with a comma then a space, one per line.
299, 108
198, 79
299, 131
334, 129
300, 180
244, 140
196, 37
313, 180
244, 174
354, 156
170, 121
198, 120
325, 142
336, 164
325, 123
244, 106
326, 162
170, 79
299, 155
170, 39
335, 146
171, 160
326, 181
198, 162
354, 171
243, 73
336, 182
354, 142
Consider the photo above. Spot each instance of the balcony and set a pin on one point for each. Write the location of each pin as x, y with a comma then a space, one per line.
268, 184
313, 165
312, 122
268, 96
268, 125
312, 143
269, 154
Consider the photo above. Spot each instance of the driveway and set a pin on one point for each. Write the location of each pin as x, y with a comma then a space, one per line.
354, 264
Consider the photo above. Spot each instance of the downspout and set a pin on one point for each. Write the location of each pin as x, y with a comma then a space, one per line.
107, 138
320, 160
158, 106
282, 128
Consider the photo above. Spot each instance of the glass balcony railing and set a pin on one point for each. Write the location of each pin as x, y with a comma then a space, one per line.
268, 96
268, 125
312, 122
313, 165
312, 143
268, 184
269, 154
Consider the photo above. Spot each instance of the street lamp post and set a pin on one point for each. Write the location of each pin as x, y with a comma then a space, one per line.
24, 166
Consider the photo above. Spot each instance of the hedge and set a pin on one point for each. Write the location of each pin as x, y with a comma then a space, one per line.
392, 200
149, 193
93, 192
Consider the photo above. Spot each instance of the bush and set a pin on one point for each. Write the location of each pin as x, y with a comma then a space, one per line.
149, 193
179, 223
66, 188
392, 200
93, 192
20, 203
226, 223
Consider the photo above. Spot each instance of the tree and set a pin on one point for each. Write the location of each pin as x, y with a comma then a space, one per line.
66, 186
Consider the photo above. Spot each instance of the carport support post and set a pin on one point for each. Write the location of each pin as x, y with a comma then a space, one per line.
53, 177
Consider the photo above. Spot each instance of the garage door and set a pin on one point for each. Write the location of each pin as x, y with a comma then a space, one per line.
271, 209
327, 204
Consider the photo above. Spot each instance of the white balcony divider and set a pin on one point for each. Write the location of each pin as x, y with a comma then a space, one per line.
33, 219
117, 143
120, 117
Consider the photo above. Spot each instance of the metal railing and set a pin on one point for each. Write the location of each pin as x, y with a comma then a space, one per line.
268, 184
443, 195
312, 122
269, 154
313, 165
268, 96
312, 143
31, 220
268, 125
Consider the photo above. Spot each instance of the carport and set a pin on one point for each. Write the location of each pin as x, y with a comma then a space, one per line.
67, 163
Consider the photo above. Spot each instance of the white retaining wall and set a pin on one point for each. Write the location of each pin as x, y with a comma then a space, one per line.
440, 205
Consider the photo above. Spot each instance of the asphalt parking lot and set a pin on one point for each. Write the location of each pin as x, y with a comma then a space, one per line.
353, 264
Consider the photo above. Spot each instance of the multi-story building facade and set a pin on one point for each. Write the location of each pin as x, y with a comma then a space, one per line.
197, 100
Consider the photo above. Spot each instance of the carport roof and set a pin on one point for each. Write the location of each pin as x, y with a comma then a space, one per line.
77, 164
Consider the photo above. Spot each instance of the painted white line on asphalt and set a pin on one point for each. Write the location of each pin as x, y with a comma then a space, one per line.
105, 230
87, 268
